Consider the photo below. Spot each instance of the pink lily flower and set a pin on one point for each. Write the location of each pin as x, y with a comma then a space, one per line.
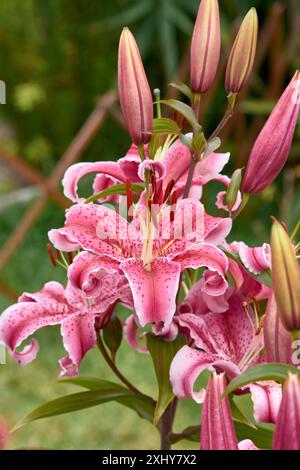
287, 435
271, 149
150, 257
217, 429
70, 308
172, 162
223, 335
226, 341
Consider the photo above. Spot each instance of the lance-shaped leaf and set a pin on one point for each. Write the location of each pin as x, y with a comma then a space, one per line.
185, 110
165, 126
185, 89
278, 372
106, 391
286, 277
115, 189
162, 353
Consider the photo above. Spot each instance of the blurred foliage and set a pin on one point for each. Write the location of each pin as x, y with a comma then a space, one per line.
60, 55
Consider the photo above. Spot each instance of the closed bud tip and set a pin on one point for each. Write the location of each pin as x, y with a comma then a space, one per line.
286, 277
206, 46
134, 91
242, 55
271, 148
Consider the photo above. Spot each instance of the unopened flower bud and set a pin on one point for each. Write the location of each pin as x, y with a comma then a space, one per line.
233, 189
278, 341
286, 277
206, 46
287, 435
242, 55
112, 334
271, 149
135, 94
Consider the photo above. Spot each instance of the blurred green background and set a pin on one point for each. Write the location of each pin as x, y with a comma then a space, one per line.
58, 57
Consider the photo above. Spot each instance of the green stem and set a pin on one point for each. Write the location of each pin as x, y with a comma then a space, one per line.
189, 180
227, 116
166, 425
113, 366
196, 105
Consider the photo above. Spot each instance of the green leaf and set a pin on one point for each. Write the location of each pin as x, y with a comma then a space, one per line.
106, 391
183, 88
278, 372
262, 436
165, 126
115, 189
162, 353
185, 110
142, 404
155, 143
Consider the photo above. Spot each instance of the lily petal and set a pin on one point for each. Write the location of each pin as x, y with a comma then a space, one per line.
21, 320
131, 330
79, 336
186, 367
154, 292
247, 444
79, 170
255, 259
266, 397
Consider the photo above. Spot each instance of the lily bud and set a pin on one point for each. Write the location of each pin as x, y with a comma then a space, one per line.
233, 189
217, 430
135, 94
112, 335
242, 55
278, 342
286, 277
271, 149
206, 46
287, 435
